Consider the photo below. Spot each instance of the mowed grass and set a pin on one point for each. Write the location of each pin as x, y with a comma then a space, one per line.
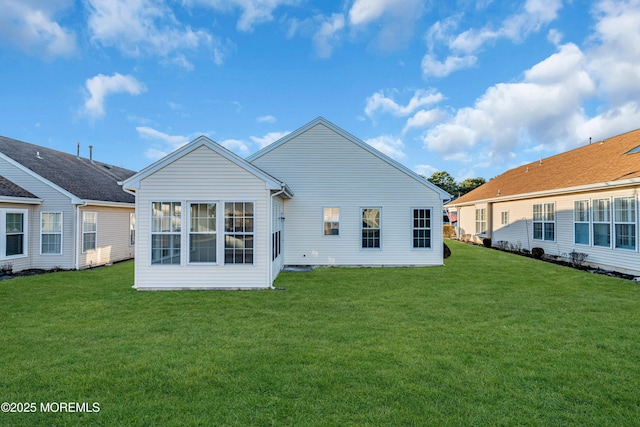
489, 339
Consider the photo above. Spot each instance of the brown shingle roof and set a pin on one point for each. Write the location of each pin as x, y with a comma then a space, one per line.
602, 161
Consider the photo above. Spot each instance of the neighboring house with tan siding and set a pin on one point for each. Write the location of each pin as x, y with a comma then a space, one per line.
59, 210
208, 219
584, 200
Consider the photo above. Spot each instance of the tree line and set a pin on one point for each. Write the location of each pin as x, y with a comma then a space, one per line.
449, 184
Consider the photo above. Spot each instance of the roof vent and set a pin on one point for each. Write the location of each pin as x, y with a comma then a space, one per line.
38, 156
527, 169
602, 142
108, 166
91, 154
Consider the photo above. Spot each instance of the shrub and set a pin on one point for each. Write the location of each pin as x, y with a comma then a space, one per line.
486, 242
577, 258
537, 253
449, 231
446, 252
503, 245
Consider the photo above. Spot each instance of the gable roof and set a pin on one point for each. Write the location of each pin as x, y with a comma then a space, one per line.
79, 177
133, 182
614, 161
322, 121
10, 190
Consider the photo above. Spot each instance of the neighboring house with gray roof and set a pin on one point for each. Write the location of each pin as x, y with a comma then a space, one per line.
59, 210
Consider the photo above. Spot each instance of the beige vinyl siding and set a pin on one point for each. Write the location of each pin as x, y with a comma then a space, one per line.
324, 169
202, 176
112, 239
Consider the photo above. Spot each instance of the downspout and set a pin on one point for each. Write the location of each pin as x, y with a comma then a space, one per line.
77, 233
282, 190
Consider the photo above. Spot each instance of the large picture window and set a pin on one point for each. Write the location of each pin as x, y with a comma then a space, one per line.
624, 219
238, 232
421, 228
51, 232
166, 226
371, 228
601, 222
202, 233
544, 225
89, 231
14, 234
481, 221
331, 221
581, 222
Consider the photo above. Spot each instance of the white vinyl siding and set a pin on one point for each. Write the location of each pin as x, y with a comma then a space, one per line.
51, 233
624, 220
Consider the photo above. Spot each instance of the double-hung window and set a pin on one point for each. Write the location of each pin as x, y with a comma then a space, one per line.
238, 232
601, 222
166, 229
89, 231
370, 228
14, 227
624, 220
481, 221
581, 222
132, 229
202, 233
331, 221
51, 233
544, 225
421, 228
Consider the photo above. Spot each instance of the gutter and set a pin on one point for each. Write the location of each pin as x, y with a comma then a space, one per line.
76, 233
283, 188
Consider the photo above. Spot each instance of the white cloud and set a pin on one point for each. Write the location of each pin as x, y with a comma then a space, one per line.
269, 138
253, 12
267, 119
425, 170
379, 102
432, 67
424, 118
31, 25
387, 144
395, 19
237, 146
328, 35
137, 27
101, 86
165, 143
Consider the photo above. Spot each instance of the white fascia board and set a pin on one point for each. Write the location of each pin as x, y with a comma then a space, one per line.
610, 185
74, 199
108, 204
21, 200
321, 120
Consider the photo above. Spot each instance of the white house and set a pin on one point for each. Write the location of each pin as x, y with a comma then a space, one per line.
584, 200
208, 219
59, 210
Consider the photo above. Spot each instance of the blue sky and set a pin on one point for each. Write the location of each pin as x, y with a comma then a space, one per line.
468, 87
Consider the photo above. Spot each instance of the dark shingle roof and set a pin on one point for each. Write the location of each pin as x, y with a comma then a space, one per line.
11, 189
610, 160
78, 176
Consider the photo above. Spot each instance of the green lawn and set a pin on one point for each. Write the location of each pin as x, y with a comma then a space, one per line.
489, 339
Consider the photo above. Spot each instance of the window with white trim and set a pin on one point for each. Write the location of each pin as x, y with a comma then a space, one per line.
601, 210
51, 233
370, 229
624, 222
504, 217
14, 228
331, 221
581, 222
203, 240
421, 228
481, 221
166, 229
89, 231
132, 228
238, 232
544, 223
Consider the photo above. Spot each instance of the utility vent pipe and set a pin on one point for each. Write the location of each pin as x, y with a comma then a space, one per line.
78, 153
91, 153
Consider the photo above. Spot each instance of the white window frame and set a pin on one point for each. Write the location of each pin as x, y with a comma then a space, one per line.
581, 216
60, 233
417, 227
625, 217
132, 228
597, 219
363, 229
85, 232
170, 226
331, 221
481, 221
3, 233
190, 232
229, 235
544, 217
504, 218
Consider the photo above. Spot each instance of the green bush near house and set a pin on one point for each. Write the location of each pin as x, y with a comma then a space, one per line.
491, 338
